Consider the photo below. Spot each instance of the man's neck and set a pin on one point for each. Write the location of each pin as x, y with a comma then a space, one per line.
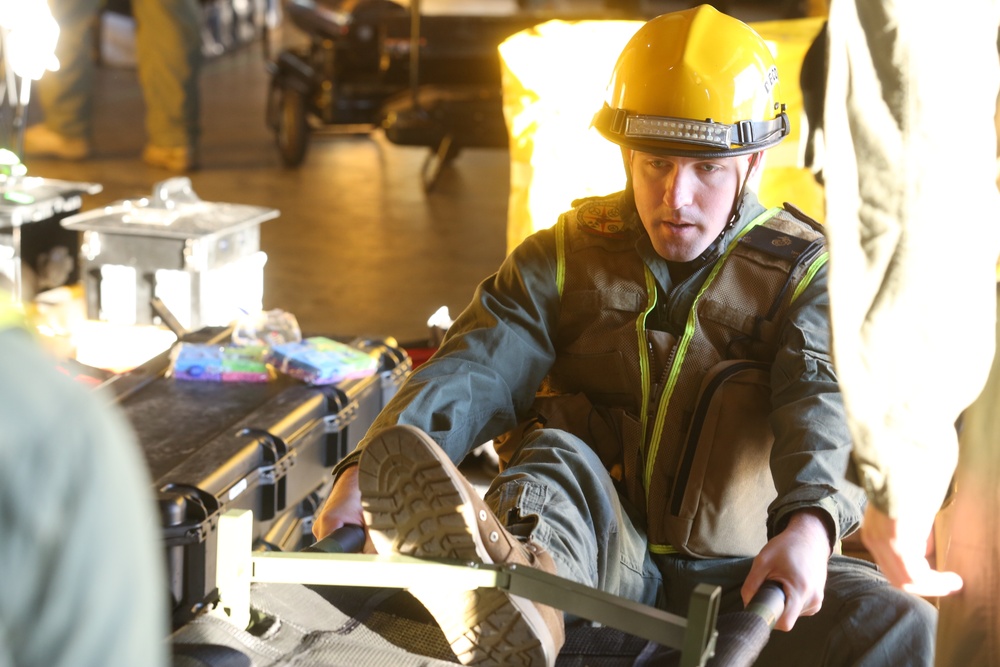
681, 271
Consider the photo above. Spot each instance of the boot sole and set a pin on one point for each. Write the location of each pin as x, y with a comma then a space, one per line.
416, 503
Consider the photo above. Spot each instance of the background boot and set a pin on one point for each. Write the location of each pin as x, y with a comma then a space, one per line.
171, 158
40, 141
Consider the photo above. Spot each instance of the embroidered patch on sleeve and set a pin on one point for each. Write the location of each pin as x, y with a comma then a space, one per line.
775, 243
601, 217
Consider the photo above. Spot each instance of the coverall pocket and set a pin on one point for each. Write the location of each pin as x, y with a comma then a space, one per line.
718, 506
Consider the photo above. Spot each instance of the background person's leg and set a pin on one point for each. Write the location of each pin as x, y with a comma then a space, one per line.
969, 628
168, 48
66, 96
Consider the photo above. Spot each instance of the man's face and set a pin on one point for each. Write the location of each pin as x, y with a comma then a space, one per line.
684, 202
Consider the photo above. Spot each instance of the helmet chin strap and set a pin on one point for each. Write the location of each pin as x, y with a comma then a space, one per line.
737, 203
734, 215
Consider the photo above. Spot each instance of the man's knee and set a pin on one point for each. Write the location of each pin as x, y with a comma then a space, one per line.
901, 629
881, 624
864, 621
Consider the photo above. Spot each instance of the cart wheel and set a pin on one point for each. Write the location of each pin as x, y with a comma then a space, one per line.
291, 129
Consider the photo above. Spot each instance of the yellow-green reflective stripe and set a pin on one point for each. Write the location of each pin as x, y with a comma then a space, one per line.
654, 441
817, 264
640, 327
663, 549
560, 233
682, 346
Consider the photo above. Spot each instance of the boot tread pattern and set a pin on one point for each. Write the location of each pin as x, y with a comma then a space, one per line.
410, 498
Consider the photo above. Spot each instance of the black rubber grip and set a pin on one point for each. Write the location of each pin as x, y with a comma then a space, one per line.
768, 602
744, 634
345, 540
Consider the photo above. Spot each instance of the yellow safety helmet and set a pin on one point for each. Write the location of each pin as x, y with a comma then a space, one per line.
694, 83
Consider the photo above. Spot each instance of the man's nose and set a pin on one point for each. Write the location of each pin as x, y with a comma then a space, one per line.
677, 188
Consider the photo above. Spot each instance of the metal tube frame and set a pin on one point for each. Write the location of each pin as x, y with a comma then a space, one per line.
239, 566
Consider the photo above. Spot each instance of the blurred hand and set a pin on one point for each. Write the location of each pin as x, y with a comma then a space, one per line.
342, 507
899, 547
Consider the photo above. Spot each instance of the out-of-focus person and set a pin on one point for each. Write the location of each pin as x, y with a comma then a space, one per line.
80, 547
913, 220
168, 51
969, 623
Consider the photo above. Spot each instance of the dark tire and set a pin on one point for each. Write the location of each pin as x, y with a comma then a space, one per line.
291, 129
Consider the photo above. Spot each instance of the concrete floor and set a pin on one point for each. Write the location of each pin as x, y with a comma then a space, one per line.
359, 248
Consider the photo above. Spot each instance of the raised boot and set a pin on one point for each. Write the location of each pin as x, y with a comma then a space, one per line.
416, 502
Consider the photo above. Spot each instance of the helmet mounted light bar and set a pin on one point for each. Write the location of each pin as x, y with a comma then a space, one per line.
706, 133
744, 133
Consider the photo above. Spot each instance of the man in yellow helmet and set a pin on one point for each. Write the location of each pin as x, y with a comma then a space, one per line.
655, 373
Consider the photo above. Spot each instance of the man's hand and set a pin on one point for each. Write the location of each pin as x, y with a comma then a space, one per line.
342, 506
899, 547
796, 558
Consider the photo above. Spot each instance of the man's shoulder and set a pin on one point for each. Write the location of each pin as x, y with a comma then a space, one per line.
785, 234
605, 216
796, 221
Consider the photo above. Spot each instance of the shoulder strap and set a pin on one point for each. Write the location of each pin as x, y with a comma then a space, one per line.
795, 240
768, 266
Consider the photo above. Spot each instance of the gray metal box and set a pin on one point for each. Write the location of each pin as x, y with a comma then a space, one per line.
201, 259
36, 252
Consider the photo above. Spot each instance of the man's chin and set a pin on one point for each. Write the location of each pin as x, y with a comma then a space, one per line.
677, 253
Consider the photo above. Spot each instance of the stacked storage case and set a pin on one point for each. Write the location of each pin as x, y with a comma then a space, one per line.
267, 447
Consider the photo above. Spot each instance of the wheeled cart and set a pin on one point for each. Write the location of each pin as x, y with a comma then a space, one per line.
427, 80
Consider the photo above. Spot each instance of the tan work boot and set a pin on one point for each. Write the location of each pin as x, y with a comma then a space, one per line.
40, 141
416, 502
171, 158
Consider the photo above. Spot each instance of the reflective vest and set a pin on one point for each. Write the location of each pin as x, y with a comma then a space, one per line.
681, 423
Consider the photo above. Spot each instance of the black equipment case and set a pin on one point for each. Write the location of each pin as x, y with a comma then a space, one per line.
266, 447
